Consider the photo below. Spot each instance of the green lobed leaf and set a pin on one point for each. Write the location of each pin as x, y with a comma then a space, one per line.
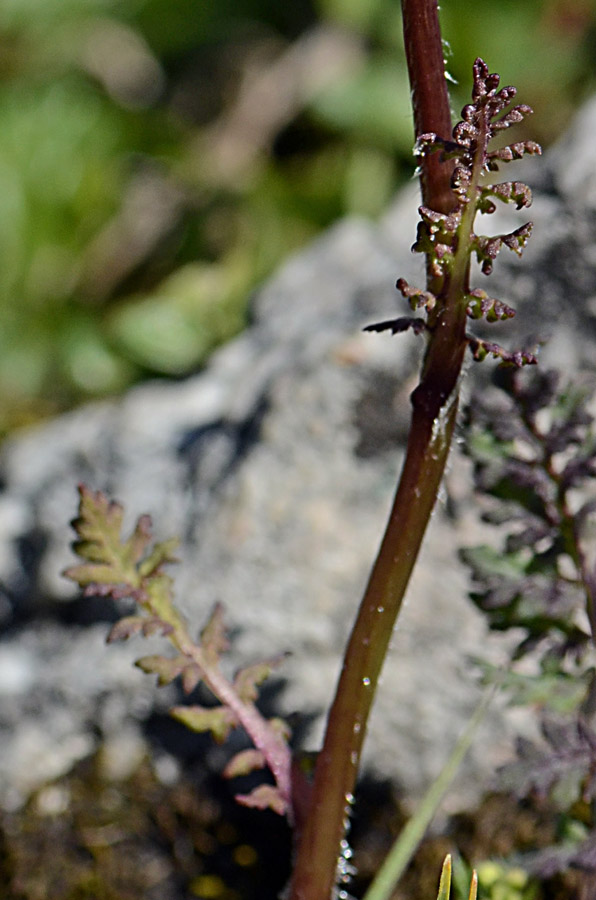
89, 574
559, 692
161, 554
486, 448
160, 601
280, 727
219, 721
98, 527
244, 763
246, 680
213, 636
191, 676
487, 562
166, 668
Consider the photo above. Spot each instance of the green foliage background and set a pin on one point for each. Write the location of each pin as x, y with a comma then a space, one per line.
159, 157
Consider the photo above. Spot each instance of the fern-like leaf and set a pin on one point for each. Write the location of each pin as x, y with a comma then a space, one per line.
132, 568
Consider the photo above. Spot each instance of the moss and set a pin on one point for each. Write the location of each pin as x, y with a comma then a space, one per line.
86, 838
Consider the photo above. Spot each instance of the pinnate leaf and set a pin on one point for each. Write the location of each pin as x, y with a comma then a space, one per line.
111, 560
132, 568
98, 527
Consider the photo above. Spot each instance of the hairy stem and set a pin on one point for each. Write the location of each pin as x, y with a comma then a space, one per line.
434, 410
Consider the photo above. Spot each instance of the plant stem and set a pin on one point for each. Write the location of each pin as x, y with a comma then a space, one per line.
430, 99
435, 402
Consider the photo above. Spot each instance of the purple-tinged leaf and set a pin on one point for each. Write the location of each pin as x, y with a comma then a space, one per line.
92, 573
428, 142
438, 222
465, 133
115, 591
266, 796
481, 75
512, 151
570, 750
460, 181
515, 115
508, 192
214, 640
506, 95
166, 668
98, 527
247, 680
480, 305
191, 676
518, 239
219, 721
481, 349
487, 248
126, 628
244, 763
415, 296
154, 625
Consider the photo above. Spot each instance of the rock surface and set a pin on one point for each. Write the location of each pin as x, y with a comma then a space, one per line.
276, 467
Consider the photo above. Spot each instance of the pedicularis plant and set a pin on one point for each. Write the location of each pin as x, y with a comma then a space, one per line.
454, 163
533, 443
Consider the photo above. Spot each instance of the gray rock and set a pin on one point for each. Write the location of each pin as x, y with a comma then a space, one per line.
276, 467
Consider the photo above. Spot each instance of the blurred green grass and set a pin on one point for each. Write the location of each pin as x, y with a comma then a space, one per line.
158, 158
